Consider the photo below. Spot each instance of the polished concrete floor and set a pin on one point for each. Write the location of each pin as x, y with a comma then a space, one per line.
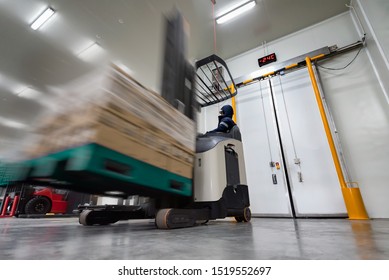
262, 238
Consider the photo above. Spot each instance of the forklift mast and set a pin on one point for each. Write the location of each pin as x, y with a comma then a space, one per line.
187, 87
178, 73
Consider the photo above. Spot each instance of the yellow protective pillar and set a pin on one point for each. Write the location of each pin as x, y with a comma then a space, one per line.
352, 196
233, 102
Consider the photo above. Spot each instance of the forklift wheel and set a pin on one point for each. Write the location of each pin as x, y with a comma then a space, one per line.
161, 219
90, 217
83, 217
38, 205
246, 216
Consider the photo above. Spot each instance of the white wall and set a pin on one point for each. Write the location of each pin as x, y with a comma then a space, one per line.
371, 17
355, 96
376, 22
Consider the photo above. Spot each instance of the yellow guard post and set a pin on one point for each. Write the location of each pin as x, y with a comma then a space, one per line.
233, 104
352, 196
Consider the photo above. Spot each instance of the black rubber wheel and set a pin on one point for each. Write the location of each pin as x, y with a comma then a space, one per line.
246, 216
38, 205
90, 217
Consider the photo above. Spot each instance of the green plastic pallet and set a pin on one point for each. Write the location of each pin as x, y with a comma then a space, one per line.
96, 169
6, 174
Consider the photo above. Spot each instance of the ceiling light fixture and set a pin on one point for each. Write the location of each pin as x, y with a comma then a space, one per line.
12, 123
123, 67
48, 13
29, 93
235, 12
91, 52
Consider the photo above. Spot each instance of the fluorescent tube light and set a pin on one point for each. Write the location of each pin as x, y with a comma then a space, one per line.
235, 12
42, 18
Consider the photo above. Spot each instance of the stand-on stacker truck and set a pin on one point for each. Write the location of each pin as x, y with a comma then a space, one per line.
218, 188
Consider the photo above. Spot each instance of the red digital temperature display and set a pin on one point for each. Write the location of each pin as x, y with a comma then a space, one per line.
267, 59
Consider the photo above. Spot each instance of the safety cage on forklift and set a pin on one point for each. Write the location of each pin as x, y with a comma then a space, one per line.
213, 83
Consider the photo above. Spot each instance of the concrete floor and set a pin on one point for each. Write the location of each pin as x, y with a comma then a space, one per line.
262, 238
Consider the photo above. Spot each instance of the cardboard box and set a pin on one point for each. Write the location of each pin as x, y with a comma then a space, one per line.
122, 115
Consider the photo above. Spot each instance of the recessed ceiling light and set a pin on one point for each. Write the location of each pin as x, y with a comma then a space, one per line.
235, 12
114, 193
12, 123
123, 67
29, 93
91, 52
48, 13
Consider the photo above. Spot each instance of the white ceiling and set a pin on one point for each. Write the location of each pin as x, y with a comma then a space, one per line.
33, 63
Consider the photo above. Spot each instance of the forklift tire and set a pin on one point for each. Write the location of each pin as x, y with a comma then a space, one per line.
83, 218
246, 216
38, 205
161, 219
90, 217
170, 218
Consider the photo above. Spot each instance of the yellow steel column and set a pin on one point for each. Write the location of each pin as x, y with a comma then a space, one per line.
352, 196
233, 104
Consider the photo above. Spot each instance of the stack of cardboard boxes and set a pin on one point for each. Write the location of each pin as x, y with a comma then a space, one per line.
119, 113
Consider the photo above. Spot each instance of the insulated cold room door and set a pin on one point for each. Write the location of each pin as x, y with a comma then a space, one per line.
313, 180
265, 174
289, 166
